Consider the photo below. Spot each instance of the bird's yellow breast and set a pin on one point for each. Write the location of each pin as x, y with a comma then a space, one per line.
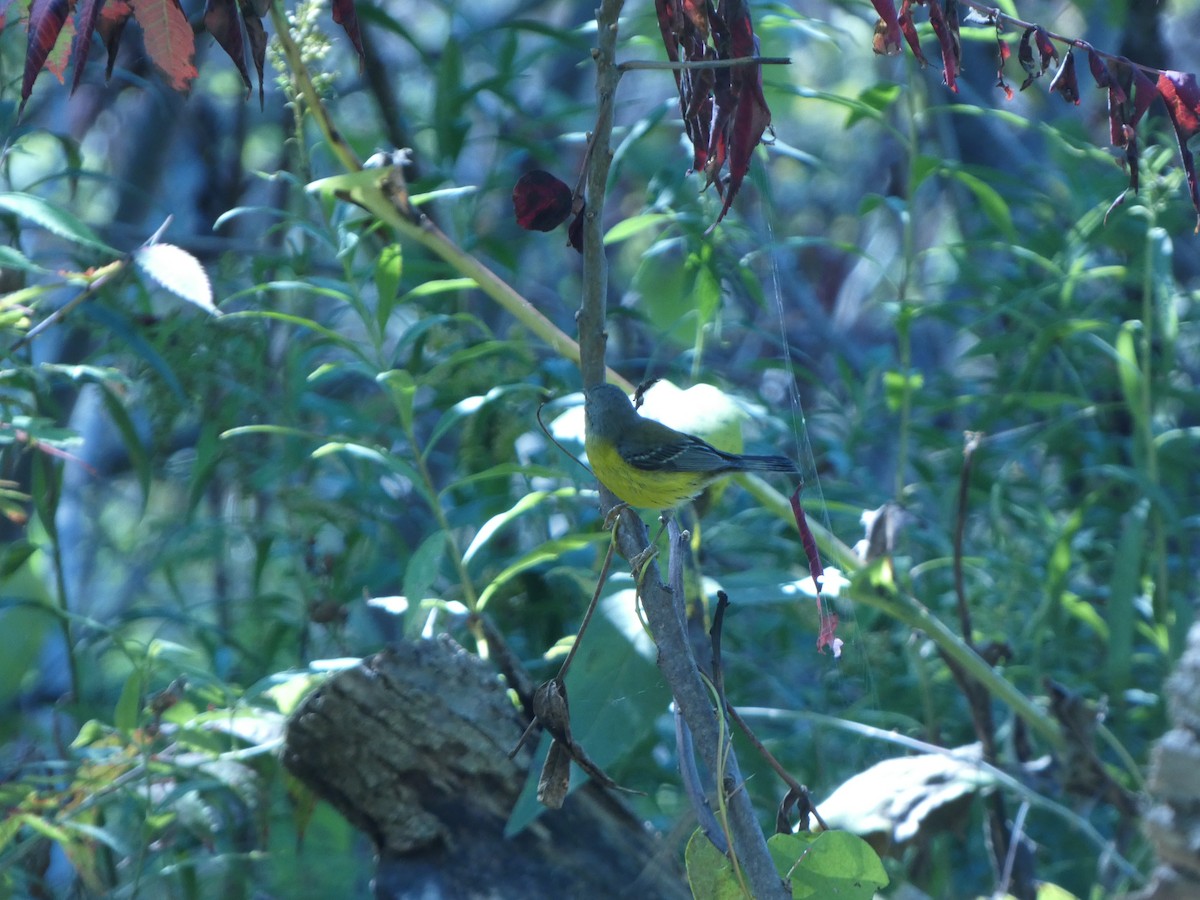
641, 488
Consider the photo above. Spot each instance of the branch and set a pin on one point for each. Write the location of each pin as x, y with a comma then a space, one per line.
675, 658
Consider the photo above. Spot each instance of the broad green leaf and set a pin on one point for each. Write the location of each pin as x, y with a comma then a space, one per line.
710, 874
830, 864
424, 566
56, 221
179, 272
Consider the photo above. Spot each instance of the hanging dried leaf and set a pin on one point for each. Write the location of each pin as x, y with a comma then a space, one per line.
1003, 51
345, 15
222, 21
909, 30
89, 16
1181, 94
46, 19
113, 19
887, 32
949, 40
1064, 82
1025, 57
168, 39
257, 36
1099, 69
1046, 47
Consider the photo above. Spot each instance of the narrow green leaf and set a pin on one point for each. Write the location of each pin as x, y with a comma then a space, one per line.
548, 551
424, 567
388, 270
1123, 591
530, 501
136, 450
53, 219
627, 228
129, 704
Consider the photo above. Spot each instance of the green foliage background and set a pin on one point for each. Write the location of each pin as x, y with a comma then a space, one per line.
216, 498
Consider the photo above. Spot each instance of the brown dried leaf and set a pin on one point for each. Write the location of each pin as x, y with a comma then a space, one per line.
887, 32
950, 43
909, 30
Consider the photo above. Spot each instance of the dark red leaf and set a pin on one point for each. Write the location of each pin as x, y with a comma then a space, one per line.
82, 44
887, 32
1004, 52
1046, 47
575, 229
1145, 93
1025, 55
223, 22
169, 41
949, 41
1064, 82
909, 29
344, 15
1181, 95
1099, 69
111, 26
541, 201
46, 18
257, 35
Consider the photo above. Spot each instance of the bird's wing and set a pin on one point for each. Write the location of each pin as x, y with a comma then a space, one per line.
675, 451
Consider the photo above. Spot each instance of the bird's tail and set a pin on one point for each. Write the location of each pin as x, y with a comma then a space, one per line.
764, 464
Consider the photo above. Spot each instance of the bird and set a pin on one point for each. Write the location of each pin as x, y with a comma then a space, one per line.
649, 465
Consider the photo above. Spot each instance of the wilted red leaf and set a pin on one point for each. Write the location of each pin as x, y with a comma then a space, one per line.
575, 229
344, 15
541, 201
168, 39
1004, 52
257, 36
947, 35
751, 115
111, 26
685, 34
909, 29
222, 21
81, 47
1099, 69
1181, 95
1144, 94
1064, 82
887, 32
1046, 47
46, 19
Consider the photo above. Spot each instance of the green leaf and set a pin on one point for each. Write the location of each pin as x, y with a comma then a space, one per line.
403, 388
179, 272
53, 219
12, 258
895, 385
546, 552
530, 501
710, 875
136, 450
129, 704
423, 567
627, 228
990, 201
831, 864
1121, 614
874, 100
388, 269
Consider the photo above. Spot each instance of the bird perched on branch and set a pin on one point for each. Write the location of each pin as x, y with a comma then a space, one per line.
649, 465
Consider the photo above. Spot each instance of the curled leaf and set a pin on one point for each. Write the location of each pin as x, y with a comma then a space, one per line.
887, 32
909, 30
946, 30
1064, 83
1181, 94
1003, 51
1046, 47
1099, 69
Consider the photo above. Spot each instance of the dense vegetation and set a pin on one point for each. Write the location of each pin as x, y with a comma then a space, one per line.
203, 512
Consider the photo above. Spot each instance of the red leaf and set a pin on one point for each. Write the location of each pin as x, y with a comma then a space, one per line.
1145, 93
82, 45
1181, 95
46, 18
168, 39
1045, 47
222, 21
1064, 82
575, 229
344, 15
541, 201
948, 38
1099, 69
111, 26
887, 32
1004, 52
909, 30
257, 36
827, 637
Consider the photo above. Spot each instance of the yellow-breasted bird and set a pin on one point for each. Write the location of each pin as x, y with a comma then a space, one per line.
649, 465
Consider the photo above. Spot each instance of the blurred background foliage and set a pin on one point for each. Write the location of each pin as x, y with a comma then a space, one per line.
215, 500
